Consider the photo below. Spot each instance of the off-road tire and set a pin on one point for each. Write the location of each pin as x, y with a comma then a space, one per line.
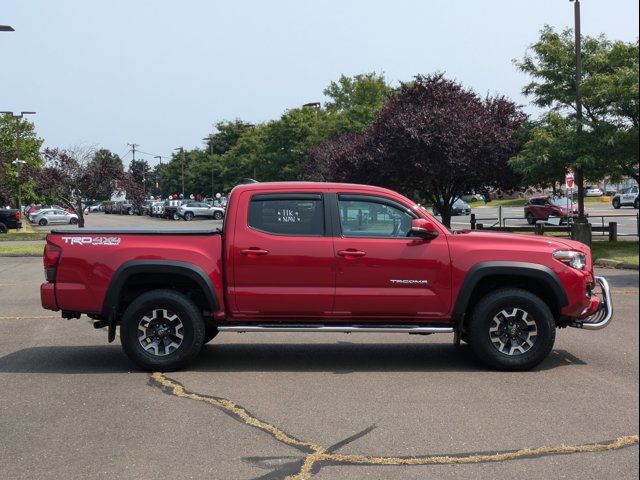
482, 319
175, 216
3, 228
616, 203
190, 317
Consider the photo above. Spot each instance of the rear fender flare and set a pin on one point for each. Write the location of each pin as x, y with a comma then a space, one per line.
164, 267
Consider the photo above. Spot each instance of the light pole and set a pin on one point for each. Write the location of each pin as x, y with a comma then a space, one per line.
581, 230
317, 106
208, 139
578, 80
181, 149
159, 157
17, 161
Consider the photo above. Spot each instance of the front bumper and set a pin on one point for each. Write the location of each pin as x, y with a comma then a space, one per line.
600, 316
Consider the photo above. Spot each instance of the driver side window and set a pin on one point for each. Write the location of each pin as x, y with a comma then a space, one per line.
364, 218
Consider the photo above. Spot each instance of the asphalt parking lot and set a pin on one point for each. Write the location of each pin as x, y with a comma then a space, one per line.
323, 406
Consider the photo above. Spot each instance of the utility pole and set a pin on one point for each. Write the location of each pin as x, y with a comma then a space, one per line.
133, 150
18, 162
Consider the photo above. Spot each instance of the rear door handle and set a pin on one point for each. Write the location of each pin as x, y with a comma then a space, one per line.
254, 252
351, 253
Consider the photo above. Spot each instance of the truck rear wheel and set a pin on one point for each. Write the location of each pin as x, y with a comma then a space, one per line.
162, 330
512, 329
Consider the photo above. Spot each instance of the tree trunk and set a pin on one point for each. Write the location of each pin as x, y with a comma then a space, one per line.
80, 213
445, 213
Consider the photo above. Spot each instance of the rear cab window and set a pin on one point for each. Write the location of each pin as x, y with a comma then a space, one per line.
288, 214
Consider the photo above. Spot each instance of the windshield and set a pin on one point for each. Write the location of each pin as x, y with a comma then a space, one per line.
561, 202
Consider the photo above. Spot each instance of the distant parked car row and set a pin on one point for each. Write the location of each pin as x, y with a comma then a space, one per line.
168, 209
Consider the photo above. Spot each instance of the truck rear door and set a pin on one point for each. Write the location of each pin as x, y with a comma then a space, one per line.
283, 258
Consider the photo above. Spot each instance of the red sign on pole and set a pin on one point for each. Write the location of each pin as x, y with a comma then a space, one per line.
569, 180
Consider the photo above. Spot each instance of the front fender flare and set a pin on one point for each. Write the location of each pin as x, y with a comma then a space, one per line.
483, 270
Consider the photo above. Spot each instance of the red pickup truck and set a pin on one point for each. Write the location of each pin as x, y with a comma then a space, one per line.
324, 257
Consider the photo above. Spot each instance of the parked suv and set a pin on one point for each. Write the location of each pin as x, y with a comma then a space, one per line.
626, 198
190, 210
543, 208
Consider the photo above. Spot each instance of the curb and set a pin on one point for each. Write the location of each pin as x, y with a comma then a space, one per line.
606, 263
20, 255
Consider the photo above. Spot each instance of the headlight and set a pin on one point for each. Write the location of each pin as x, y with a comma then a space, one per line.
576, 260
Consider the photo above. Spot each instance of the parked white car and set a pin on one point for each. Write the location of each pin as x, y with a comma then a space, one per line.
53, 216
592, 191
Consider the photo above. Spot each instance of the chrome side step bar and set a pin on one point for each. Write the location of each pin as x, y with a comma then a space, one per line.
336, 328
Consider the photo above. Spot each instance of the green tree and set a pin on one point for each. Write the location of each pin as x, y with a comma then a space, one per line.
354, 101
29, 148
608, 144
101, 161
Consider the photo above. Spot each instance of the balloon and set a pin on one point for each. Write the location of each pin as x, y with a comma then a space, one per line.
218, 195
191, 196
181, 196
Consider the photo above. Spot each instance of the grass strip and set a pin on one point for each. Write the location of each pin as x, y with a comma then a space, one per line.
18, 250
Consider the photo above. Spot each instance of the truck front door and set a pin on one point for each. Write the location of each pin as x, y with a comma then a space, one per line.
381, 270
283, 260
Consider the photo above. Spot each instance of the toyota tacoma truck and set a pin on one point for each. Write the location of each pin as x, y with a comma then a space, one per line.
324, 257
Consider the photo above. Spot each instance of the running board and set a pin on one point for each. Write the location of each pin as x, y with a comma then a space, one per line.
336, 328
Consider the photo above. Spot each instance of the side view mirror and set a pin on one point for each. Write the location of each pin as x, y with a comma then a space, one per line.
423, 229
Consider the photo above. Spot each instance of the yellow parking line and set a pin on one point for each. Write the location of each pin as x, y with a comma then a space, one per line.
316, 453
34, 317
625, 292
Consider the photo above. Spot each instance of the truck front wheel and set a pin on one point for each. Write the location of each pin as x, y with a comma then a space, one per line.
210, 333
162, 330
512, 329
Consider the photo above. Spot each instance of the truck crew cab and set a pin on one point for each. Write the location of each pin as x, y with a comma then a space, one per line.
324, 257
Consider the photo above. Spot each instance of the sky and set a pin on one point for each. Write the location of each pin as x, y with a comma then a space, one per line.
161, 73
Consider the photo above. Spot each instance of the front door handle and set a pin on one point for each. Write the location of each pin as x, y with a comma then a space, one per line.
254, 252
351, 253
